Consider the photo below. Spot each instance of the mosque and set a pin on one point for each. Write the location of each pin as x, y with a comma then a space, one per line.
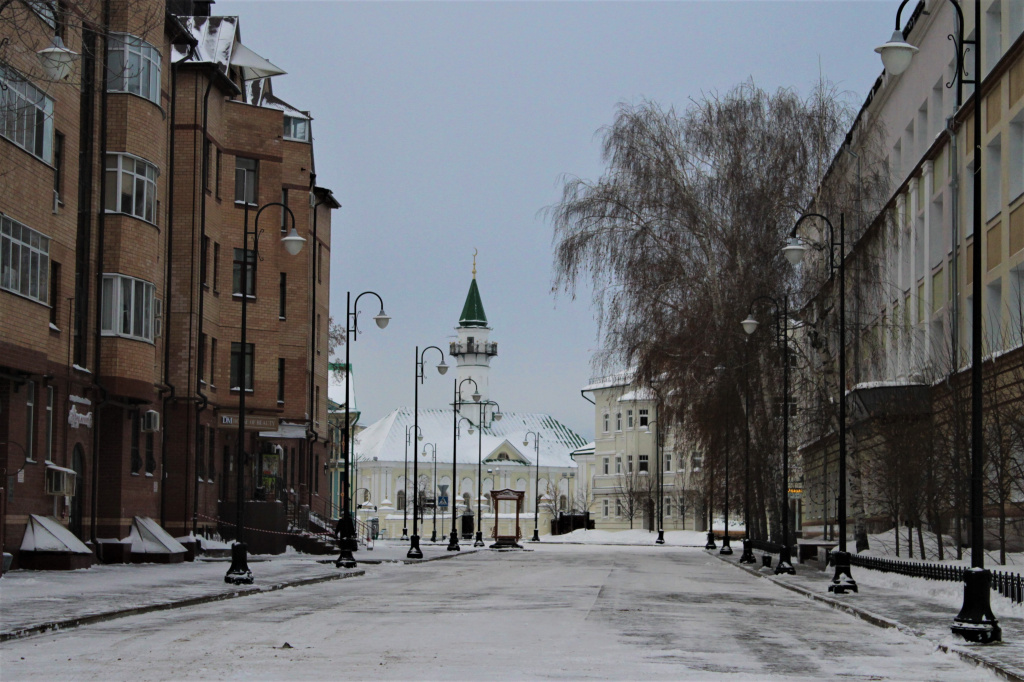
466, 452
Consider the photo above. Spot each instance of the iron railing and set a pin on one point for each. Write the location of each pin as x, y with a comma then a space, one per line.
1009, 585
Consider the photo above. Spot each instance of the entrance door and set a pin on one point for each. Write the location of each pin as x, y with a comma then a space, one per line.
77, 500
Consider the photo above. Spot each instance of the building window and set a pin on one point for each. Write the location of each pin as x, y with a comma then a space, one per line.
127, 307
54, 291
318, 333
401, 500
604, 508
216, 180
668, 461
296, 129
250, 274
211, 468
284, 210
618, 421
49, 423
136, 460
238, 373
24, 260
618, 507
643, 418
150, 459
606, 420
618, 465
216, 267
131, 187
26, 115
204, 261
605, 466
133, 65
201, 359
642, 463
316, 408
629, 464
30, 421
629, 419
668, 506
245, 180
213, 362
207, 163
58, 166
282, 304
280, 381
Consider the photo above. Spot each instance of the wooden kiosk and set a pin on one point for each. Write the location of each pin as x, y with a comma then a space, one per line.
508, 537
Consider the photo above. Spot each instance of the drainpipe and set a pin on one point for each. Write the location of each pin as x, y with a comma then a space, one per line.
313, 437
101, 229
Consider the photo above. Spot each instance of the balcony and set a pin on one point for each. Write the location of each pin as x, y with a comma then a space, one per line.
489, 349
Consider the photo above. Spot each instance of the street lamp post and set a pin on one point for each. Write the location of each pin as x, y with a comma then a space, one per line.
782, 332
536, 481
842, 580
414, 546
659, 463
405, 478
239, 573
748, 554
433, 483
495, 416
726, 547
346, 525
975, 622
453, 537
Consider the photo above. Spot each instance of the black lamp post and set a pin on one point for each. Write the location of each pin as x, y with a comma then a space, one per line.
405, 477
414, 547
433, 483
726, 547
496, 416
782, 334
536, 481
239, 573
975, 622
842, 580
346, 524
748, 554
453, 538
658, 451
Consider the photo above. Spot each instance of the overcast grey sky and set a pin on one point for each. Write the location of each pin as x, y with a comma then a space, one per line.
444, 126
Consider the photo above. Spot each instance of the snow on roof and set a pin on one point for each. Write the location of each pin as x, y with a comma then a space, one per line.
46, 534
261, 93
637, 394
286, 430
385, 440
587, 449
623, 378
149, 538
219, 42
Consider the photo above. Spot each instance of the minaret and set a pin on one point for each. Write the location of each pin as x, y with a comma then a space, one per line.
473, 351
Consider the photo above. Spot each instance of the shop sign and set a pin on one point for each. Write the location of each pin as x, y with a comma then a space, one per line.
252, 422
76, 418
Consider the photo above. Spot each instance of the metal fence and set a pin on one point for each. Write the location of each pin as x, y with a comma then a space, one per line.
1009, 585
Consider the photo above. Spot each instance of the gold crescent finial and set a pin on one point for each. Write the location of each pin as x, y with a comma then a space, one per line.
475, 252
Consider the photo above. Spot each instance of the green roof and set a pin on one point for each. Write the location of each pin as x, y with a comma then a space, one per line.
473, 312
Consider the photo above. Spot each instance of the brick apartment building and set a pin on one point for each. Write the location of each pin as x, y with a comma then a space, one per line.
124, 191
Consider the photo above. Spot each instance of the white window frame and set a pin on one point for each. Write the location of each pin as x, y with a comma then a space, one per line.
26, 115
643, 464
607, 422
618, 464
618, 421
629, 419
133, 66
24, 260
604, 508
137, 313
606, 466
125, 183
250, 190
668, 461
644, 421
296, 128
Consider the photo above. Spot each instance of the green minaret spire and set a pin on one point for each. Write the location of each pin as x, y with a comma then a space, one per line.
473, 312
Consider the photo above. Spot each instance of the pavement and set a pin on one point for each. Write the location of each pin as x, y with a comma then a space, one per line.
919, 607
557, 612
37, 601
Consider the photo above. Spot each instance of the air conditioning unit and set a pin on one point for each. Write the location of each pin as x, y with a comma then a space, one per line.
56, 202
150, 421
60, 481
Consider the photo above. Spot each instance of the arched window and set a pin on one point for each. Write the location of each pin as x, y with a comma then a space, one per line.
465, 499
366, 496
562, 503
401, 500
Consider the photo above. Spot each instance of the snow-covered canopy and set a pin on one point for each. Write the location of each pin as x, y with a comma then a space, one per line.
385, 440
148, 537
46, 534
623, 378
219, 42
286, 430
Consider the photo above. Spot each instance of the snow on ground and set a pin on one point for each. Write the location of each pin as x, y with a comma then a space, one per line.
884, 545
676, 538
560, 611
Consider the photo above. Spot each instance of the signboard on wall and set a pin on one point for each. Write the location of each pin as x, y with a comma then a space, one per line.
252, 422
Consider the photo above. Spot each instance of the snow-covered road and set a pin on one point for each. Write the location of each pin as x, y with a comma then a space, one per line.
562, 612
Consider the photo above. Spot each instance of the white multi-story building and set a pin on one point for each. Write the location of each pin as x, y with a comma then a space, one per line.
620, 467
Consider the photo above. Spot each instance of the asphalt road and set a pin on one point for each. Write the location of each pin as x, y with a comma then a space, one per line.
559, 612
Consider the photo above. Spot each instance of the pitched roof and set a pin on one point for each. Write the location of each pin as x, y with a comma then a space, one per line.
473, 312
385, 439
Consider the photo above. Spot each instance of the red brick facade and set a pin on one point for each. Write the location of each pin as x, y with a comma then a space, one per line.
78, 372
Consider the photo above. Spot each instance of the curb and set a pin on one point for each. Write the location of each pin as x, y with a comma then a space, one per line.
996, 667
166, 606
404, 561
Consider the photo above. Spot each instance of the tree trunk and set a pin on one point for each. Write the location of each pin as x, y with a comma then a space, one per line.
856, 495
920, 540
896, 534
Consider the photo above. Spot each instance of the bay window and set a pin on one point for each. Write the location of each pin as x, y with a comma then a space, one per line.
24, 260
26, 115
133, 66
130, 187
127, 307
